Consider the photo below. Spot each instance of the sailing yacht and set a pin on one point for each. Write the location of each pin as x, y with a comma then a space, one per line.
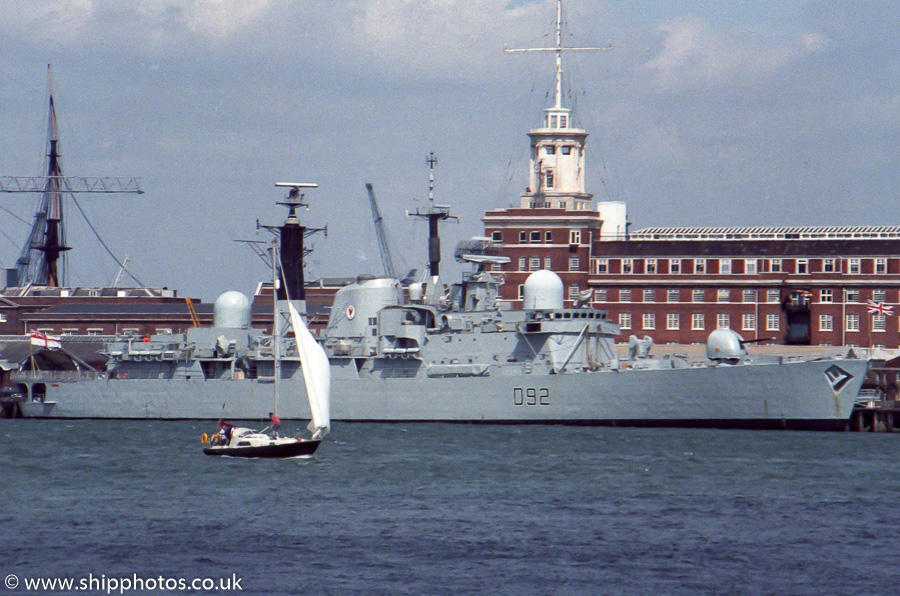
245, 442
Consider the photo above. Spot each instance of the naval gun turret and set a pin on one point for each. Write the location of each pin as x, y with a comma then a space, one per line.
725, 345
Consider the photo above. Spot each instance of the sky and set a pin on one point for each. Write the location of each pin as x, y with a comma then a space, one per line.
766, 112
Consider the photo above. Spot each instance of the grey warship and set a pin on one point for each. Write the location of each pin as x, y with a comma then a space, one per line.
449, 352
457, 353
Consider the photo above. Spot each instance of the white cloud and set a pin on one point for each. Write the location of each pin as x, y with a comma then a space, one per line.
70, 22
446, 37
691, 51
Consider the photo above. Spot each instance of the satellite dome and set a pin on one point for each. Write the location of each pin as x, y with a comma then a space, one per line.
543, 291
231, 311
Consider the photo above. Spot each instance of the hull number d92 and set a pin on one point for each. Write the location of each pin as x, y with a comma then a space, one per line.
531, 396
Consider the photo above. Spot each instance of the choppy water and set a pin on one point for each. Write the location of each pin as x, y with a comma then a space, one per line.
457, 509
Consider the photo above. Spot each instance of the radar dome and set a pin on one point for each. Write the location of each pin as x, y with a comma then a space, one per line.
543, 291
232, 311
725, 344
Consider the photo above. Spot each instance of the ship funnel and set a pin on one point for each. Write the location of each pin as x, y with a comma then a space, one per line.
543, 291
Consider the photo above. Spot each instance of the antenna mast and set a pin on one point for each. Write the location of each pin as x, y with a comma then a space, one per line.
558, 50
434, 215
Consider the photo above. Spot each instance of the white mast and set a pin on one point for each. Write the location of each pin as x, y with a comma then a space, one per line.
276, 331
558, 50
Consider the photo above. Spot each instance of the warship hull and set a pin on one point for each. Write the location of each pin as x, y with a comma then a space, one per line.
805, 394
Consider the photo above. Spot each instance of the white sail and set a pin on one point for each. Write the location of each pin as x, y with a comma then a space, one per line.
316, 374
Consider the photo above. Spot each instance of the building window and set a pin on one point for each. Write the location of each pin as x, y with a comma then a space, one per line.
829, 266
749, 296
879, 323
696, 295
521, 291
699, 265
574, 292
880, 266
625, 295
723, 295
723, 321
497, 236
772, 296
725, 266
600, 295
574, 263
773, 323
574, 236
748, 322
672, 321
535, 237
548, 179
675, 266
534, 263
567, 150
625, 320
826, 323
775, 265
879, 295
523, 237
97, 331
650, 267
649, 321
802, 266
852, 323
826, 296
851, 295
563, 120
697, 321
523, 263
2, 317
548, 235
853, 266
69, 331
601, 266
751, 266
672, 295
649, 295
548, 262
627, 265
549, 149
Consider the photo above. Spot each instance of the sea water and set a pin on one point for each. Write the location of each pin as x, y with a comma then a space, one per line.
450, 509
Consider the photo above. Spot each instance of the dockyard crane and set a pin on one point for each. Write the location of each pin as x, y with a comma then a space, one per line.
380, 234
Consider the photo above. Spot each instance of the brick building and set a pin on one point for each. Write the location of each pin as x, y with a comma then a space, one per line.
786, 285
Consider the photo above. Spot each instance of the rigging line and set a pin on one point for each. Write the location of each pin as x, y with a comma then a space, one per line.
515, 148
15, 216
103, 244
12, 241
